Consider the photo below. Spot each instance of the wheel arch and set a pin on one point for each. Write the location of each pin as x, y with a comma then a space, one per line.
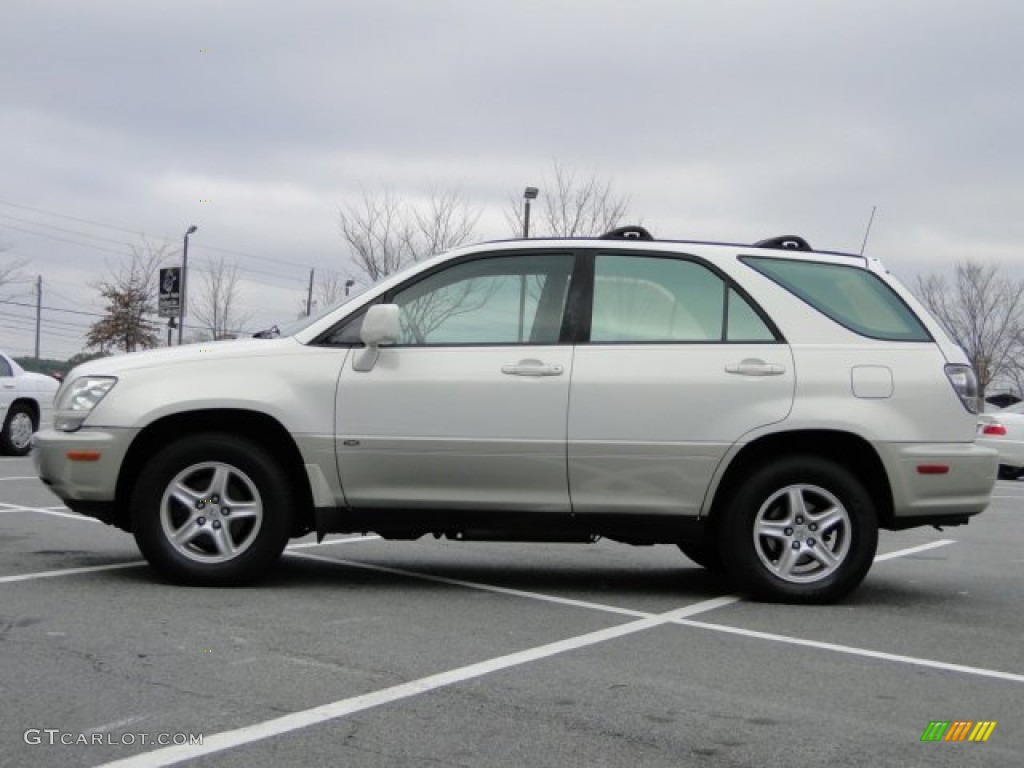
29, 403
846, 449
253, 425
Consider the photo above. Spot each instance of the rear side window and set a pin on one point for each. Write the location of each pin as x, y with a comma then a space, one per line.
853, 297
660, 299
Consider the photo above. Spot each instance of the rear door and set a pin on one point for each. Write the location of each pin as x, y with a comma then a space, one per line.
678, 365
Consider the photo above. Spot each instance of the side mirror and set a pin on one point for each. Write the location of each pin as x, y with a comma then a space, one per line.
381, 326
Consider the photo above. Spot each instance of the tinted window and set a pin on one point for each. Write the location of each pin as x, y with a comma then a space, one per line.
853, 297
659, 299
496, 300
5, 367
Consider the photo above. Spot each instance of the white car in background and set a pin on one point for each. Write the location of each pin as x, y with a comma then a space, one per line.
1004, 431
26, 402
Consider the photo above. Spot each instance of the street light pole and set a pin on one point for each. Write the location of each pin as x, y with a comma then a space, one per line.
184, 281
530, 193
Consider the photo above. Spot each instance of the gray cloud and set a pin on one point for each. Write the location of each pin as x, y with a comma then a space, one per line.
732, 120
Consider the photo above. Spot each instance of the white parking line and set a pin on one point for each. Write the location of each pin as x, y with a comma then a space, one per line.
478, 585
854, 651
298, 720
136, 563
69, 571
26, 477
913, 550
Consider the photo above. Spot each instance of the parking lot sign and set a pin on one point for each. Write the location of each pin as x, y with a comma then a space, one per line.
169, 304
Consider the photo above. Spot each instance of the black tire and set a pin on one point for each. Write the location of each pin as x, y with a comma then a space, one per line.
704, 551
213, 473
16, 437
819, 559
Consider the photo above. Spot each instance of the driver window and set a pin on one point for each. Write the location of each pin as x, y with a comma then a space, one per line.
495, 300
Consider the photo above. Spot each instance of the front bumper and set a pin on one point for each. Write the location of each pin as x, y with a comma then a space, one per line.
925, 495
77, 480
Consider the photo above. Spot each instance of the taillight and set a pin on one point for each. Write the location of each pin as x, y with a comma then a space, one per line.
993, 429
965, 384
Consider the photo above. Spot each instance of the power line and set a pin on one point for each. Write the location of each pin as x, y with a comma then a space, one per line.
143, 234
54, 309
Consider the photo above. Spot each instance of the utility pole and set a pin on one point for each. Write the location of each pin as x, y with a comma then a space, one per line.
309, 296
39, 309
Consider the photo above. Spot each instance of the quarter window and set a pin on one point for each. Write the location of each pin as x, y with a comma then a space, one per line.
496, 300
664, 299
853, 297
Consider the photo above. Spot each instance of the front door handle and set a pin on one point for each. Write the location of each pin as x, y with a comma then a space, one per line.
532, 367
753, 366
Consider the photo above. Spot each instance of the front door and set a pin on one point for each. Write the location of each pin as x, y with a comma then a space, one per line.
468, 410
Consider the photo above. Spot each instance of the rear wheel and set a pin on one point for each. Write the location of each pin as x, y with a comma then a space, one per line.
212, 510
16, 436
800, 530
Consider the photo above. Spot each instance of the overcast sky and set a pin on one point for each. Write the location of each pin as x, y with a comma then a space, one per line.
719, 119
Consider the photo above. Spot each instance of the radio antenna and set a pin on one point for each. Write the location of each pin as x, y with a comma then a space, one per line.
867, 231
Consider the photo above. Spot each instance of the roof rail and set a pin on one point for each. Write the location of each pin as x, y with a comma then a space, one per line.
630, 232
785, 243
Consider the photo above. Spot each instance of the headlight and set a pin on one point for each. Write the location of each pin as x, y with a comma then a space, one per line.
76, 401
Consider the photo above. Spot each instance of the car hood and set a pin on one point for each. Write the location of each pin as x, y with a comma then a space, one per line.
186, 354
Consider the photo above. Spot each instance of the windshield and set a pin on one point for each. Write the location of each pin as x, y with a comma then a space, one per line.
290, 329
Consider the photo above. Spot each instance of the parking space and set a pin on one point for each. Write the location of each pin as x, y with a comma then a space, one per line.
373, 653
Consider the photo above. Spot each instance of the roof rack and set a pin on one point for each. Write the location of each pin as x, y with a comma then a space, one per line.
630, 232
785, 243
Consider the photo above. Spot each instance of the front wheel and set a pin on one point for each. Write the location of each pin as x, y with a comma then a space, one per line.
800, 530
16, 436
212, 510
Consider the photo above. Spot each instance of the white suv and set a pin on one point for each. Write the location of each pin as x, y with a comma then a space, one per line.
767, 408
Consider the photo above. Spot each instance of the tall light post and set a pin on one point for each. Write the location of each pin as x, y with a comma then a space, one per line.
184, 281
529, 194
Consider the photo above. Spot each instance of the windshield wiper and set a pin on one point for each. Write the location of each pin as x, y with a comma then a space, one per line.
269, 333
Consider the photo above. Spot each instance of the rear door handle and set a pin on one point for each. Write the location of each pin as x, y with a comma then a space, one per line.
532, 367
752, 366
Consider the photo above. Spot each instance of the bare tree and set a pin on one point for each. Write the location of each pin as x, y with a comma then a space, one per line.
447, 222
328, 289
130, 294
984, 314
385, 233
215, 308
571, 206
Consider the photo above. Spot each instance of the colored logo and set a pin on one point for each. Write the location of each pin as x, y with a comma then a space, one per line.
958, 730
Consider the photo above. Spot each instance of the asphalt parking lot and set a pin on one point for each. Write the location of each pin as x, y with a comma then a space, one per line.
363, 652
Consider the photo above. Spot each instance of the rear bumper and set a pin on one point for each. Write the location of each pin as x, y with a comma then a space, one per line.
938, 483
